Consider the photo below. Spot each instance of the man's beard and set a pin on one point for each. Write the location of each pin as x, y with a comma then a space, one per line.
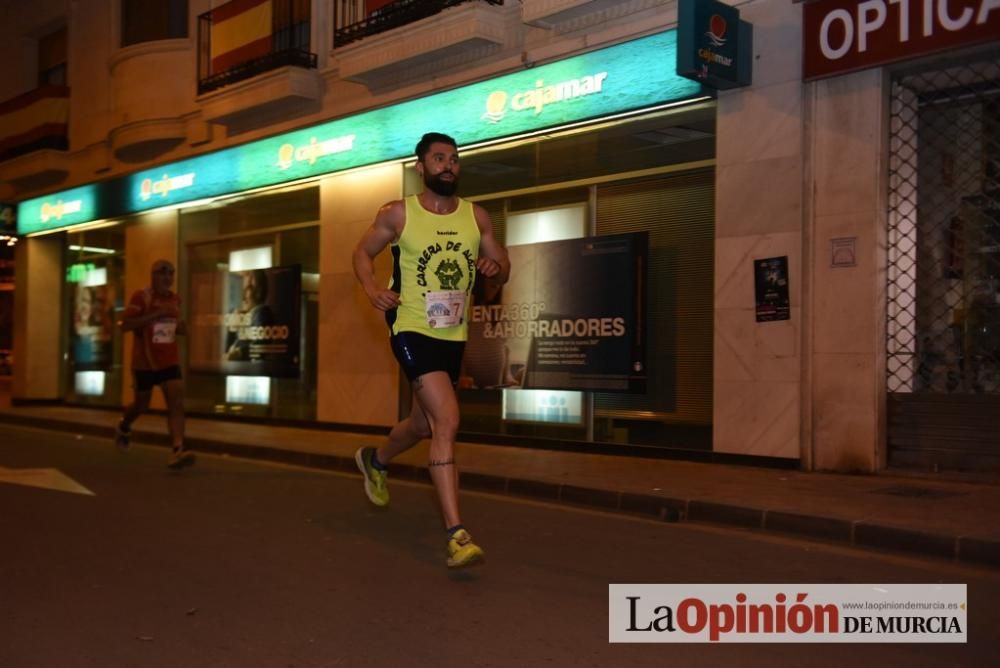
439, 186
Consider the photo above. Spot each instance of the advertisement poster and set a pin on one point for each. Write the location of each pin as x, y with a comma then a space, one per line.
93, 327
572, 317
771, 288
246, 323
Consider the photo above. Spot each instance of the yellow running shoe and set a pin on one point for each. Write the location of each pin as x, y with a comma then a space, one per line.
375, 479
462, 551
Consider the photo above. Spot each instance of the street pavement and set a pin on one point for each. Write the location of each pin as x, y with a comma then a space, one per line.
238, 562
952, 519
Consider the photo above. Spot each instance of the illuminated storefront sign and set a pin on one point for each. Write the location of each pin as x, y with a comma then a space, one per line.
627, 77
51, 212
713, 44
840, 36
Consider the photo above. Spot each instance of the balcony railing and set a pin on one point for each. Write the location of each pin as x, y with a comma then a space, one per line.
353, 21
33, 121
244, 38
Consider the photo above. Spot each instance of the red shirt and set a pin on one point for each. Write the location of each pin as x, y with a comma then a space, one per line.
155, 344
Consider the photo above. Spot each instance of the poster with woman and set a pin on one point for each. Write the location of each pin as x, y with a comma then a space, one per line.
93, 327
246, 323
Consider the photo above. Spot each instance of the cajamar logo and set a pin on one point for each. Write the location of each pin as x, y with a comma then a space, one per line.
716, 30
450, 274
541, 95
59, 209
289, 154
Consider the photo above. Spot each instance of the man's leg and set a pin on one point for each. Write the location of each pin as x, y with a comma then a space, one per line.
372, 462
173, 393
139, 405
405, 434
436, 396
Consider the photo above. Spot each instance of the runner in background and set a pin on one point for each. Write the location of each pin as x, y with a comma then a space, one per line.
154, 315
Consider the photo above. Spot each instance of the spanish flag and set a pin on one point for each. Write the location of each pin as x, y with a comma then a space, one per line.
241, 31
35, 119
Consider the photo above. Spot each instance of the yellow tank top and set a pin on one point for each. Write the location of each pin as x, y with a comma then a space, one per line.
434, 253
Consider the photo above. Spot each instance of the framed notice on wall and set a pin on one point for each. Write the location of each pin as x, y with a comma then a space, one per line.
771, 288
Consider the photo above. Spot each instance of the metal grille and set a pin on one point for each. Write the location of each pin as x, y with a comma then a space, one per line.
943, 327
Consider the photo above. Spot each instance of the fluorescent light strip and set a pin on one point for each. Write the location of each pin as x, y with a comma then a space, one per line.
92, 249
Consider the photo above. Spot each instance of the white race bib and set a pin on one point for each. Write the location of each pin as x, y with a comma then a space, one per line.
445, 308
165, 331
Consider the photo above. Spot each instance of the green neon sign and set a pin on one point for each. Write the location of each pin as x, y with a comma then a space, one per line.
626, 77
77, 273
70, 207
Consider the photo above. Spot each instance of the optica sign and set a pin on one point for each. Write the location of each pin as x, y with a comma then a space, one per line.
841, 36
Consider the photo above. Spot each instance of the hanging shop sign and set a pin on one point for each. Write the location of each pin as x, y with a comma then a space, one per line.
627, 77
840, 36
572, 317
714, 46
8, 218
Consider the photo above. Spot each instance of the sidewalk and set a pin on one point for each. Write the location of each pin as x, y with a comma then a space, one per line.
924, 516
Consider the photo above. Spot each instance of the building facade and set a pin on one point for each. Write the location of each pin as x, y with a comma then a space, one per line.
249, 139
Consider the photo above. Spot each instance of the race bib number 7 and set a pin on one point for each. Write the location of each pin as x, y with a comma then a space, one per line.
445, 308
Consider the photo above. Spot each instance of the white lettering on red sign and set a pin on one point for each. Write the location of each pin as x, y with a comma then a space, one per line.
871, 15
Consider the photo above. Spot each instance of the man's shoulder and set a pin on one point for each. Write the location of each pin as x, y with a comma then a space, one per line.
393, 213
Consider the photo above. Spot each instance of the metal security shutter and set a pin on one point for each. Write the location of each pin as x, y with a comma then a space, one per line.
678, 212
943, 319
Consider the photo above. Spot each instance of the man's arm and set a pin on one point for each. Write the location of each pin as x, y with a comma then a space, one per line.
493, 262
140, 320
386, 228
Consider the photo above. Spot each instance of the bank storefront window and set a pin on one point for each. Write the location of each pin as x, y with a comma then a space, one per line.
93, 302
651, 180
251, 286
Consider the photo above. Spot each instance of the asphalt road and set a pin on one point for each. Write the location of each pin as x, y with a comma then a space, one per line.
239, 563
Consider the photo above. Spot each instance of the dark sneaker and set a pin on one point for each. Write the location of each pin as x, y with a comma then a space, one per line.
180, 459
375, 487
122, 436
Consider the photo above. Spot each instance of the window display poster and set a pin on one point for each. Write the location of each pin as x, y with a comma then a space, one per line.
572, 317
771, 288
246, 323
93, 327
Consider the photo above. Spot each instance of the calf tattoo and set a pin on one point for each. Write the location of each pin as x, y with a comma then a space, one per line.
442, 462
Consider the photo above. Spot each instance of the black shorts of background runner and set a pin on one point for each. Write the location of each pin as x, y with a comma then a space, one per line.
418, 354
147, 380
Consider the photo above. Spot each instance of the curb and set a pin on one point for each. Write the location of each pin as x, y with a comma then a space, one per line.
857, 533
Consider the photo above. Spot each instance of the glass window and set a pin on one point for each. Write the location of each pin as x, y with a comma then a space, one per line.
93, 303
251, 293
646, 178
149, 21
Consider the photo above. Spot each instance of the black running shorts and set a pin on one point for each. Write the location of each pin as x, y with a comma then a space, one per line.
418, 354
145, 380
